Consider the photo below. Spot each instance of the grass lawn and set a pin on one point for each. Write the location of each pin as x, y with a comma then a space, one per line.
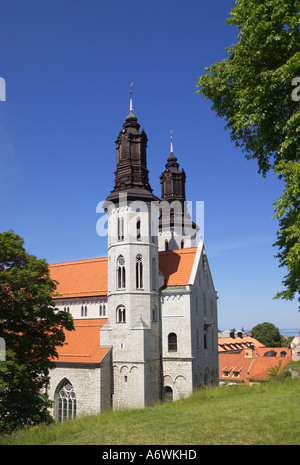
260, 415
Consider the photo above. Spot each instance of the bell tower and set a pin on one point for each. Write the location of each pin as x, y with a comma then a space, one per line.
176, 229
133, 329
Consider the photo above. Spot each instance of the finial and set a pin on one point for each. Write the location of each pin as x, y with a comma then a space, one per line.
130, 107
131, 116
172, 157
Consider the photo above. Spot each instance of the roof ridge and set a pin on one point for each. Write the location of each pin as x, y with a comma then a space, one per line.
97, 259
183, 251
79, 262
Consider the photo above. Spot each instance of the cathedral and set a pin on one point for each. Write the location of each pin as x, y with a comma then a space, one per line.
145, 316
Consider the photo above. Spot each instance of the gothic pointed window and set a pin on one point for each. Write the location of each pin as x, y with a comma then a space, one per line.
66, 402
139, 272
182, 244
121, 273
166, 245
121, 314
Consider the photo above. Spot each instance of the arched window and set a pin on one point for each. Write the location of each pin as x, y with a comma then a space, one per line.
100, 310
166, 245
138, 229
121, 273
104, 310
121, 314
182, 244
168, 394
66, 402
121, 229
139, 272
83, 310
172, 342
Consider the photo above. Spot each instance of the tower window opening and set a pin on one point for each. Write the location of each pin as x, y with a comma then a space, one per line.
139, 272
138, 230
121, 273
153, 274
120, 229
121, 315
172, 342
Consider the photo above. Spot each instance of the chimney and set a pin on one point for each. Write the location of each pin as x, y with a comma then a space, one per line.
249, 352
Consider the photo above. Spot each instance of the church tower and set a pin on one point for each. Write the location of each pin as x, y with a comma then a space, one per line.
176, 229
133, 329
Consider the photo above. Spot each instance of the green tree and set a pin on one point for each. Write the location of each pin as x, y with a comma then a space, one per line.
32, 330
267, 334
253, 90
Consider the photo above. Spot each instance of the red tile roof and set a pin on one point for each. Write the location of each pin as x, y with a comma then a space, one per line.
234, 362
237, 343
83, 344
251, 369
80, 278
87, 278
176, 265
262, 364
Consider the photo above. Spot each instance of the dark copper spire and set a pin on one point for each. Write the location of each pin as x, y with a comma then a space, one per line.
131, 175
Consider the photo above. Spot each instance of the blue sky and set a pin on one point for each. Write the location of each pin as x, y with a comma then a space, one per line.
68, 65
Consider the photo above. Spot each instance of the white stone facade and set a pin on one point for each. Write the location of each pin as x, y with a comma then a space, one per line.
160, 340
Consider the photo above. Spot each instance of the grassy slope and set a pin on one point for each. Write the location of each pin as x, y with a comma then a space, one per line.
266, 414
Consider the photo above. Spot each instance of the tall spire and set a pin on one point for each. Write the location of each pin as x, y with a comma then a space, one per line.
131, 175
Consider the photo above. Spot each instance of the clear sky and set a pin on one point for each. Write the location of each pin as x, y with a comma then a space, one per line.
68, 65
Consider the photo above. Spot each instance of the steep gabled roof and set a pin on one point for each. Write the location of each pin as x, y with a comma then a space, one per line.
83, 278
176, 265
88, 278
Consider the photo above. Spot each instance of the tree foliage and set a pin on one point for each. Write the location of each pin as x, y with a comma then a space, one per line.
32, 330
253, 90
267, 334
